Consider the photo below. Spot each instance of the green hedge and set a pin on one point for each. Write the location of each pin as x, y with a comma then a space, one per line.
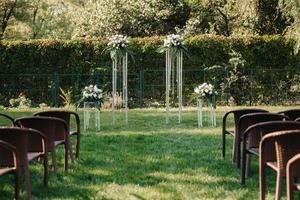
46, 59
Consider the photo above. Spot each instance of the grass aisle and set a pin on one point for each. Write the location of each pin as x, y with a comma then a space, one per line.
147, 160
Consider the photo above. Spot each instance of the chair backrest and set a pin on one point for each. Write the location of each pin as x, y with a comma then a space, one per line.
53, 128
287, 145
254, 118
18, 137
61, 114
237, 114
292, 113
259, 130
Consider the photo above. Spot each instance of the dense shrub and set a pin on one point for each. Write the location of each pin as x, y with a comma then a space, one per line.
40, 67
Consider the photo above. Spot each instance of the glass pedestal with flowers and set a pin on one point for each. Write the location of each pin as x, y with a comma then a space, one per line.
118, 50
91, 109
206, 105
92, 97
174, 48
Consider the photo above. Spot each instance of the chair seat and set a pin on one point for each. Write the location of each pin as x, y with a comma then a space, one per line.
272, 165
254, 151
34, 155
6, 170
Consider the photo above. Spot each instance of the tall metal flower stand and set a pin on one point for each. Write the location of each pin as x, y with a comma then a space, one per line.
121, 63
91, 109
170, 71
206, 114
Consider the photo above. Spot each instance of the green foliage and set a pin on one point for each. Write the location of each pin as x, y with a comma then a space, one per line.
41, 19
236, 79
83, 59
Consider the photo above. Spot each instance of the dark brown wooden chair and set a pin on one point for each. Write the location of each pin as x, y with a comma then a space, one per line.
292, 113
30, 144
292, 172
252, 137
236, 115
251, 119
13, 167
56, 131
65, 115
9, 118
286, 145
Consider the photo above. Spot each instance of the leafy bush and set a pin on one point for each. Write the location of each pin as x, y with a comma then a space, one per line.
41, 67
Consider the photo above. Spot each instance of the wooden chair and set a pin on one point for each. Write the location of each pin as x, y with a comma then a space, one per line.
251, 119
292, 172
9, 118
252, 137
236, 115
12, 165
292, 113
286, 145
56, 131
30, 144
65, 115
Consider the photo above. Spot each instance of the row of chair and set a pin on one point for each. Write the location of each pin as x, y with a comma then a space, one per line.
31, 138
273, 137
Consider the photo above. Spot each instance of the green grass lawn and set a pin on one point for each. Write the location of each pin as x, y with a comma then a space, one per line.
147, 160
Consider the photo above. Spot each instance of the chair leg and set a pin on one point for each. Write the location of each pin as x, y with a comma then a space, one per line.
70, 150
278, 186
78, 145
262, 182
27, 181
54, 163
234, 150
248, 165
17, 183
66, 155
238, 154
243, 176
45, 170
223, 144
289, 186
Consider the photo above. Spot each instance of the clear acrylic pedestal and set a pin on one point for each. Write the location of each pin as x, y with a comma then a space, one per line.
91, 109
206, 114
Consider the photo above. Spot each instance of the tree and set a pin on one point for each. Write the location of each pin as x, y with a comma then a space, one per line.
6, 12
130, 17
291, 10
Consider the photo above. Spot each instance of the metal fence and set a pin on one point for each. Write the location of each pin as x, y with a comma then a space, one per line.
147, 87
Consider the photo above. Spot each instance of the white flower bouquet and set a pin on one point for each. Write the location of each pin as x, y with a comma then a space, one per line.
92, 94
205, 90
117, 46
173, 43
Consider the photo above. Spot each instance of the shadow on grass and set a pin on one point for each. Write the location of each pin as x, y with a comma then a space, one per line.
148, 161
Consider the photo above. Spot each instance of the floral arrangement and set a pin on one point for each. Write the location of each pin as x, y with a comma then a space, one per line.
174, 43
117, 46
205, 90
21, 102
92, 94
